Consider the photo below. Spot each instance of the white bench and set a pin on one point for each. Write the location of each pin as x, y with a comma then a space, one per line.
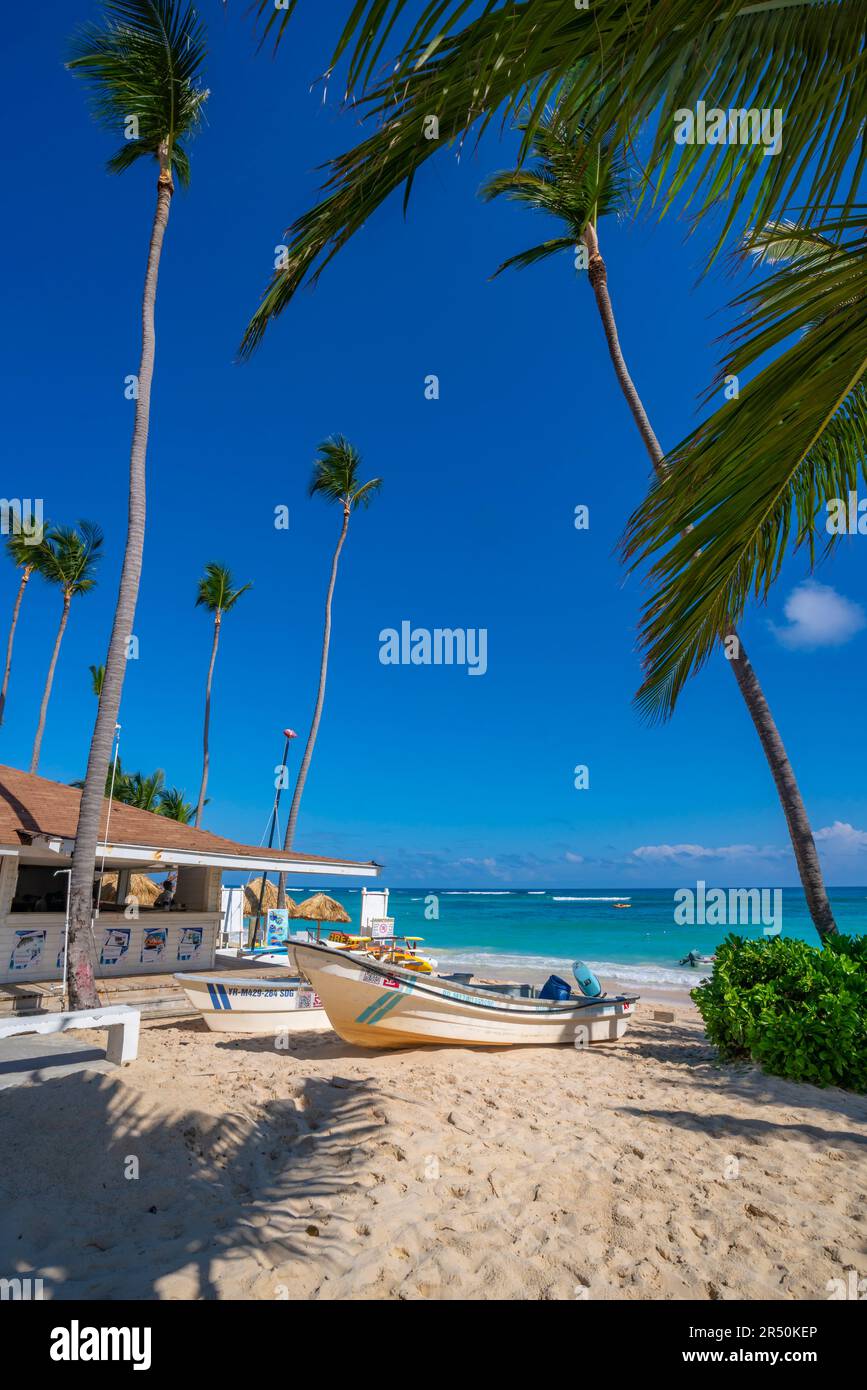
121, 1021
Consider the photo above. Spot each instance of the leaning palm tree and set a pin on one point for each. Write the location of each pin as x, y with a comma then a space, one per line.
24, 548
217, 595
69, 560
335, 477
142, 66
578, 179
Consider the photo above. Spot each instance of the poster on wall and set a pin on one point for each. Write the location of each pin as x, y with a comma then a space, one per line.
276, 926
115, 945
190, 943
27, 949
153, 944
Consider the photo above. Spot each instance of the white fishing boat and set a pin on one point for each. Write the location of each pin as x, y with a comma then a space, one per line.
378, 1005
238, 1003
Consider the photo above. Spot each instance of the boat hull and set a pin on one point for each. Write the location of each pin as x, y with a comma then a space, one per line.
384, 1008
232, 1004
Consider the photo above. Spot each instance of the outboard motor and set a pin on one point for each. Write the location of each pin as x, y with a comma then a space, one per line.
586, 980
555, 988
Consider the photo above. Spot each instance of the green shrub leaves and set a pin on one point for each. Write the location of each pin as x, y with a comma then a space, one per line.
800, 1011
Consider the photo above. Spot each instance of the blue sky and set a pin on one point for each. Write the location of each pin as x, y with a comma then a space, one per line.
449, 780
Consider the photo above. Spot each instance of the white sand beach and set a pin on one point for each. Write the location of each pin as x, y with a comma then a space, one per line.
637, 1170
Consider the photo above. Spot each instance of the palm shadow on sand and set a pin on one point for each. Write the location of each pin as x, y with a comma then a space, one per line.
262, 1182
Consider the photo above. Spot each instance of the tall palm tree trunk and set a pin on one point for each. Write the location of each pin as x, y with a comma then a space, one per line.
794, 810
49, 682
81, 959
803, 844
25, 575
320, 697
207, 725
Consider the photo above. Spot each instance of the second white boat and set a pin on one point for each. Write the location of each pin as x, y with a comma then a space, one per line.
238, 1003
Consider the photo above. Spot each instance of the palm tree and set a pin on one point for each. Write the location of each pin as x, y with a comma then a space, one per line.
142, 790
116, 780
744, 497
142, 65
70, 555
24, 548
335, 477
217, 595
147, 792
578, 187
97, 676
511, 58
174, 805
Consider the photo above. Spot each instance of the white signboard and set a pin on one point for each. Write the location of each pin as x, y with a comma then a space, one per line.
379, 927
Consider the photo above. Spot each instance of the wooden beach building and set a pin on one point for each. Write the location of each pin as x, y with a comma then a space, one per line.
133, 935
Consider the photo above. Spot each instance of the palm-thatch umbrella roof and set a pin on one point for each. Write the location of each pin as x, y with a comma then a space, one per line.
140, 887
251, 897
320, 908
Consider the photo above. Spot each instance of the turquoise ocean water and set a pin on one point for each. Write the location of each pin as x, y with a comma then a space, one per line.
501, 933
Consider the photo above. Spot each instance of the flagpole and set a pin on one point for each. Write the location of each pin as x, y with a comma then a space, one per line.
289, 734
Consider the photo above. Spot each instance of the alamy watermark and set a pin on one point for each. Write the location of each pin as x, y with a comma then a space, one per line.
22, 517
733, 907
77, 1343
737, 126
439, 646
846, 516
22, 1290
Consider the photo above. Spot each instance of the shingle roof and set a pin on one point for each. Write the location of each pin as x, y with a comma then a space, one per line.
31, 805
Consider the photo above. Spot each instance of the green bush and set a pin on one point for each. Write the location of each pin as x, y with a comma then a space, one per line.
800, 1011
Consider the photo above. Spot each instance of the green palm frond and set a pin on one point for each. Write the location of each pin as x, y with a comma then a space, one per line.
534, 254
70, 555
623, 66
143, 66
785, 240
173, 804
217, 591
335, 474
364, 495
143, 791
573, 179
25, 542
744, 492
97, 678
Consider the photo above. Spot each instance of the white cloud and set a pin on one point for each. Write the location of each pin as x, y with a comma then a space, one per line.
842, 836
489, 864
669, 854
573, 858
818, 617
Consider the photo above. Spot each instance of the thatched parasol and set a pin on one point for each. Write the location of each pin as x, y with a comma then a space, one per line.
251, 897
320, 908
140, 887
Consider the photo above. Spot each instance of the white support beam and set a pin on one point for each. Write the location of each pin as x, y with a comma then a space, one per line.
154, 857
